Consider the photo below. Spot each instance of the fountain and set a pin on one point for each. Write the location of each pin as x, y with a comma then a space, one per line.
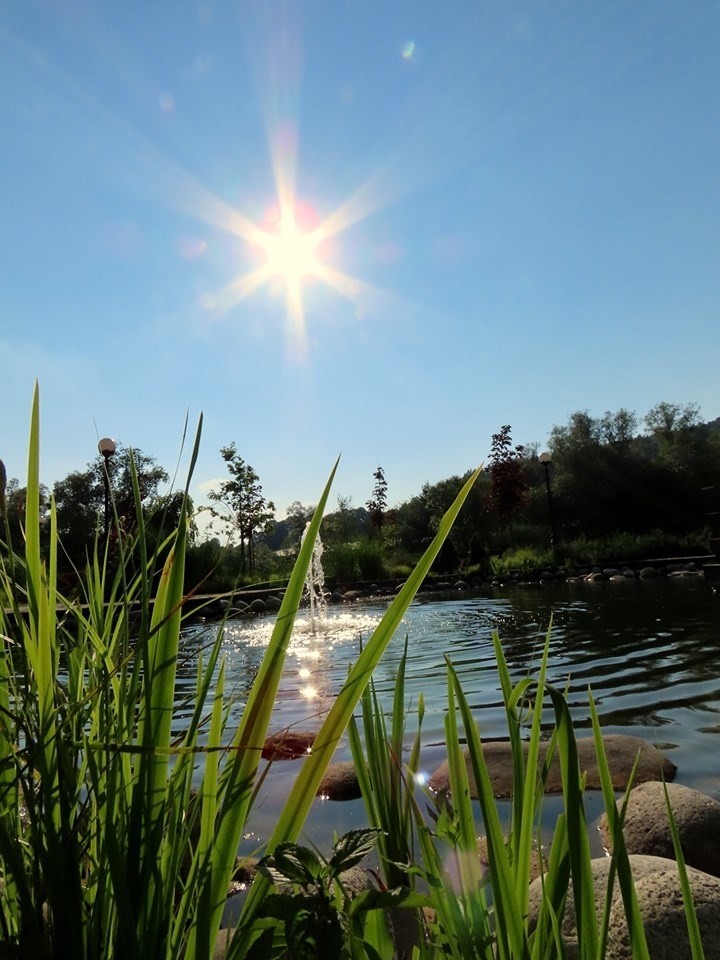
315, 584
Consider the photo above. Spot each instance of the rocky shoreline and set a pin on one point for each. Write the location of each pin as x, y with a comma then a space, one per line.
257, 601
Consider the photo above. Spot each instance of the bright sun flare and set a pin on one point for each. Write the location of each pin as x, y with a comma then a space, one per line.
291, 254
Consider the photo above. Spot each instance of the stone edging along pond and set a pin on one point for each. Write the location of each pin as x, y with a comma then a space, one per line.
646, 832
251, 601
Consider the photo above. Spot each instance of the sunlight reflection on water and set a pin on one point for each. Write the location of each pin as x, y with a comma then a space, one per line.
650, 652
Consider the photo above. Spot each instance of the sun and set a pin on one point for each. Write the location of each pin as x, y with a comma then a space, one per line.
291, 253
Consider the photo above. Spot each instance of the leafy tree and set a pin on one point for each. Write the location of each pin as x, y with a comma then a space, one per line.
508, 483
12, 509
418, 519
298, 516
377, 504
241, 504
80, 500
344, 525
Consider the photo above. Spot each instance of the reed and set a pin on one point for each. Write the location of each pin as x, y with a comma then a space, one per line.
118, 831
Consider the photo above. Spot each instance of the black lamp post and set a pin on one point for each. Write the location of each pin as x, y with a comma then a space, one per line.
545, 459
107, 448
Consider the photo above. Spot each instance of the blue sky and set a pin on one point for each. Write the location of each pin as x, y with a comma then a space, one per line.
529, 225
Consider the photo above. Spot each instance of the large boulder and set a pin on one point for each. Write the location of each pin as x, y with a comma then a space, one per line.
657, 885
340, 782
621, 752
647, 827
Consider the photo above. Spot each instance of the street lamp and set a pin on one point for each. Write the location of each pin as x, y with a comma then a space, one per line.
545, 459
107, 448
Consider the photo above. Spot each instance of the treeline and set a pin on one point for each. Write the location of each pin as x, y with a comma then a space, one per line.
611, 487
607, 487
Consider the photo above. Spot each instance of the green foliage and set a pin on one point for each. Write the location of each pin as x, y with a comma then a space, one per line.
377, 504
80, 502
508, 486
340, 562
118, 832
318, 916
371, 560
522, 559
241, 505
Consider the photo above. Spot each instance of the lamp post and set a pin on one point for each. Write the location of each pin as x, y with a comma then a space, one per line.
545, 459
107, 448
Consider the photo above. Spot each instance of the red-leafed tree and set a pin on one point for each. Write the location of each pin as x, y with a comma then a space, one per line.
508, 482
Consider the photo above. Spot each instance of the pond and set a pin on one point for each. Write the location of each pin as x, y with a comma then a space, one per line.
650, 651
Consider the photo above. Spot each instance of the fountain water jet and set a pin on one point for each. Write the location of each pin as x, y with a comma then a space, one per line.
315, 583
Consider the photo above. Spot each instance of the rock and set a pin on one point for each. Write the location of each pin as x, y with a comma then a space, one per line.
272, 604
461, 585
657, 886
595, 577
609, 572
340, 782
627, 572
648, 572
538, 859
258, 606
647, 828
288, 744
351, 595
621, 752
618, 578
240, 610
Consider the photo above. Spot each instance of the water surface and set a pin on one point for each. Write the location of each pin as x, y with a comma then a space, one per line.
650, 651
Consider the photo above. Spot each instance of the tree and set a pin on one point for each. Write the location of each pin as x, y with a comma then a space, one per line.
675, 429
13, 499
80, 500
243, 508
377, 504
297, 517
508, 484
3, 486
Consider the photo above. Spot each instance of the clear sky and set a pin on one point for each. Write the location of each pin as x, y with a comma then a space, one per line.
369, 228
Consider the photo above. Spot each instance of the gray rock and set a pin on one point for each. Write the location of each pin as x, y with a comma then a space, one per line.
272, 604
621, 752
595, 577
657, 886
648, 572
609, 572
461, 585
647, 828
340, 782
239, 610
258, 606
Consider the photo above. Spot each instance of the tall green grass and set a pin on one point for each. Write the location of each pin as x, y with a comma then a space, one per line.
467, 910
119, 830
119, 826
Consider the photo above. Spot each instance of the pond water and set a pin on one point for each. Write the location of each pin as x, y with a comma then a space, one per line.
650, 651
